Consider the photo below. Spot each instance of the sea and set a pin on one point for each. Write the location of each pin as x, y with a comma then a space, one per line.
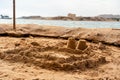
71, 24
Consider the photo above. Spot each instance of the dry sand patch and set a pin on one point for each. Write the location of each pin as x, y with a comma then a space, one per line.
97, 62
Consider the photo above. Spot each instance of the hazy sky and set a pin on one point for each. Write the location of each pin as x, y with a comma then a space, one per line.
60, 7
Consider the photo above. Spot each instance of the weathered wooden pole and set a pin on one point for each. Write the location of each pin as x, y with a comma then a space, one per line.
14, 16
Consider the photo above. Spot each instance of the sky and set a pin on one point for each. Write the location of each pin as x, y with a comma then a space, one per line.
60, 7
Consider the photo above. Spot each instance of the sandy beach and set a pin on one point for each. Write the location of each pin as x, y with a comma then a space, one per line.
40, 52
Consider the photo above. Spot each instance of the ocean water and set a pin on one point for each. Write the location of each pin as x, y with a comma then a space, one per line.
84, 24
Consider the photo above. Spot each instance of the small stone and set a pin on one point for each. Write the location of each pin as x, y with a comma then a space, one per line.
35, 44
31, 37
17, 44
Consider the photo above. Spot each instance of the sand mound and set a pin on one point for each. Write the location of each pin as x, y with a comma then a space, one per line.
54, 58
105, 35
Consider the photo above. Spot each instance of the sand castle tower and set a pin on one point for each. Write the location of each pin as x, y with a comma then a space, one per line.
71, 43
81, 45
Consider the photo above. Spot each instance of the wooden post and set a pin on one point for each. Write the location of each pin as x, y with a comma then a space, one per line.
14, 16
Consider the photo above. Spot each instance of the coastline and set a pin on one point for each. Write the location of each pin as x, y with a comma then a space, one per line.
69, 24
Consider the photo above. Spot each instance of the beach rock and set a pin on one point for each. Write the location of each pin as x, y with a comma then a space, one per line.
81, 45
71, 43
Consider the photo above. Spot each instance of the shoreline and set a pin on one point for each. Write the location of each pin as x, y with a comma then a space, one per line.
69, 24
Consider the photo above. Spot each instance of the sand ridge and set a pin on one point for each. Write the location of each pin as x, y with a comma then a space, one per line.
105, 35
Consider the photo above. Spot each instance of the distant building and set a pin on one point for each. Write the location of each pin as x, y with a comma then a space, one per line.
0, 16
72, 15
4, 17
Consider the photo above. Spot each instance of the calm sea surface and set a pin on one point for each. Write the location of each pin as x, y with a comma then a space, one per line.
85, 24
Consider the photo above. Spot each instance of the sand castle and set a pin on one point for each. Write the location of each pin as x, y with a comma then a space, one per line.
81, 45
71, 43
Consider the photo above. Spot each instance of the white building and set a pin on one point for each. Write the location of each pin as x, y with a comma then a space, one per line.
4, 17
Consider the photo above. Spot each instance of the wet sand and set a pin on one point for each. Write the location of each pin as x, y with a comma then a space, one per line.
47, 58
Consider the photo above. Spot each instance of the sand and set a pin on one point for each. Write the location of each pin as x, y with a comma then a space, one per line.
109, 36
48, 58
